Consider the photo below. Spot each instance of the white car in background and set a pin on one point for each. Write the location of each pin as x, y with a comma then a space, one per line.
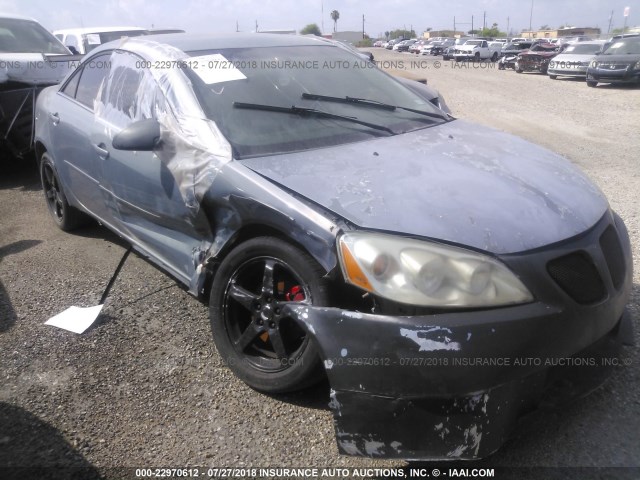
83, 40
574, 59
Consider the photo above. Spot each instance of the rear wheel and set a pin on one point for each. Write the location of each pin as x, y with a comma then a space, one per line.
553, 77
494, 57
267, 350
65, 216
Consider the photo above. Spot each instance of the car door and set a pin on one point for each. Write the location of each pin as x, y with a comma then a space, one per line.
147, 203
71, 117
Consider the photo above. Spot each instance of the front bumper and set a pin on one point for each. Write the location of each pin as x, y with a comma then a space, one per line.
578, 71
618, 74
451, 385
533, 65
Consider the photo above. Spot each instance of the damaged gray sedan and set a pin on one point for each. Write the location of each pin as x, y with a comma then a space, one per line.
444, 276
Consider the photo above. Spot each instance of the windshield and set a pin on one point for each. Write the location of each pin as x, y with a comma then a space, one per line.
278, 77
474, 42
629, 46
26, 36
582, 49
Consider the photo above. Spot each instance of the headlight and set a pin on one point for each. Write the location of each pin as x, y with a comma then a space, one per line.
552, 64
428, 274
636, 66
594, 64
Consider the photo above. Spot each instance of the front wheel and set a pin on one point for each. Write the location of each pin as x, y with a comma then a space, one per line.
591, 83
267, 350
553, 77
517, 68
494, 57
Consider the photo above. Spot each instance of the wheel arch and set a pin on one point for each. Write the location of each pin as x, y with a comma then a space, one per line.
40, 149
248, 232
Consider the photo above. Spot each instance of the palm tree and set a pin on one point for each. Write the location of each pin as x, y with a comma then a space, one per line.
335, 15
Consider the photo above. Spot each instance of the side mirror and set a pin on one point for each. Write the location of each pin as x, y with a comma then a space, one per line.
143, 136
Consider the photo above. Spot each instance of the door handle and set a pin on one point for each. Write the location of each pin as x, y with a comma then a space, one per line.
55, 118
100, 149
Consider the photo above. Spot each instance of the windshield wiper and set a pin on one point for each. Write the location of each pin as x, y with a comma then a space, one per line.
309, 112
372, 103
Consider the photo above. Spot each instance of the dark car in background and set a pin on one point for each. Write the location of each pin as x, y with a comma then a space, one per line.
441, 47
537, 58
619, 63
340, 224
509, 54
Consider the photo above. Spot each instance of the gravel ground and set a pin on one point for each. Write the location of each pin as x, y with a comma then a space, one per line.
145, 386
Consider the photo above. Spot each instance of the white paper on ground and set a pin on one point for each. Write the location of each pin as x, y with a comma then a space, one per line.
75, 319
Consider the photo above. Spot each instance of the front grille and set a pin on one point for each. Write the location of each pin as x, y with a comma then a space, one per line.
578, 277
613, 255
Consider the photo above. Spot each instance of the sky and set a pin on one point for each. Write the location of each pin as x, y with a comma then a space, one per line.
200, 16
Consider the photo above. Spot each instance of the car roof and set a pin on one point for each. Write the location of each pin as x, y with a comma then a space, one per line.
97, 30
191, 42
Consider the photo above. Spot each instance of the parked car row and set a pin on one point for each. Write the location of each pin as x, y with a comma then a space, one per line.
598, 61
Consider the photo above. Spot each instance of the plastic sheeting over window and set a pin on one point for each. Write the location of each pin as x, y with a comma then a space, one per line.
147, 81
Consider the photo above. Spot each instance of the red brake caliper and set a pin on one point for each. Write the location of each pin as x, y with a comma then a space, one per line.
296, 294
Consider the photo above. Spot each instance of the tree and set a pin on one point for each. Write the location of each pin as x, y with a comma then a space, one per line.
545, 27
493, 32
386, 34
402, 33
335, 15
311, 29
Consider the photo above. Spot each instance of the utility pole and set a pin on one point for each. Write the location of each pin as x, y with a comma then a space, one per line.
363, 26
508, 27
484, 21
256, 26
531, 18
322, 17
237, 28
626, 15
473, 34
610, 20
454, 25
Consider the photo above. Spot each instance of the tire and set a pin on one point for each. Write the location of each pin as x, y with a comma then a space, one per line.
494, 57
553, 77
476, 57
246, 296
517, 68
65, 216
591, 83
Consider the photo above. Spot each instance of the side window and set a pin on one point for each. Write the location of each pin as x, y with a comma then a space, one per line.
130, 93
71, 87
93, 72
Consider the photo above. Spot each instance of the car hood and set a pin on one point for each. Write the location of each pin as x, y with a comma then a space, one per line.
33, 68
529, 53
620, 59
458, 182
